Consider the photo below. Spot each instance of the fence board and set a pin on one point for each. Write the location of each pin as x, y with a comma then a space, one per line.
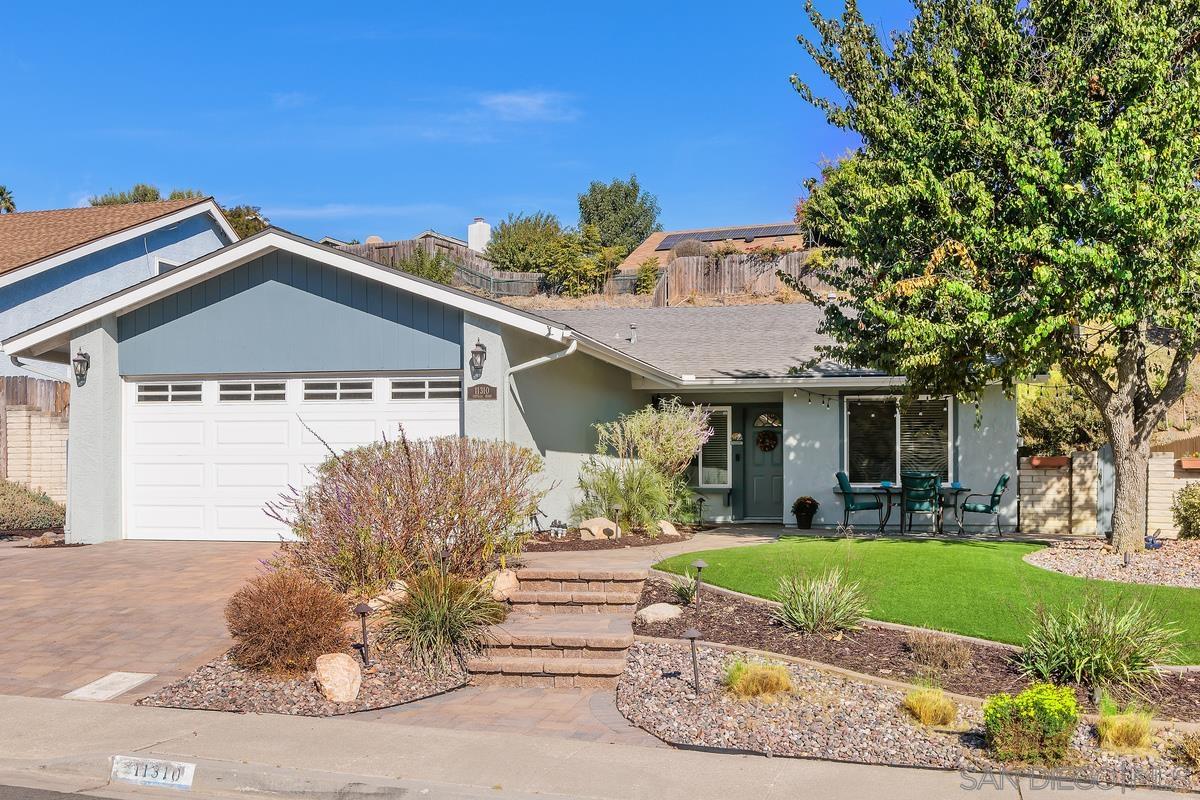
1182, 448
731, 275
52, 397
470, 268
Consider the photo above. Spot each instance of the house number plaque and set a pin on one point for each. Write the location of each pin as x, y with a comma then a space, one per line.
481, 391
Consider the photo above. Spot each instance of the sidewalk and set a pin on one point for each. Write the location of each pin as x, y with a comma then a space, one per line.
61, 742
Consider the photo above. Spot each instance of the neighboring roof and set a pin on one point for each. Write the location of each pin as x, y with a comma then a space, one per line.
27, 237
739, 342
329, 241
744, 232
432, 234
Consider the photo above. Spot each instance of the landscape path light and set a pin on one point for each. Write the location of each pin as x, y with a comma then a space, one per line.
691, 634
362, 609
698, 565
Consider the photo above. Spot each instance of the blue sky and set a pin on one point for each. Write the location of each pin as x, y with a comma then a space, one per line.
349, 119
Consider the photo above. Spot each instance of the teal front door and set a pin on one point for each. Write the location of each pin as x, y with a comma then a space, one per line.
763, 462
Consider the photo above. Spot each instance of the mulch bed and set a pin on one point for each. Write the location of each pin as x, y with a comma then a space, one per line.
221, 685
833, 717
873, 650
545, 543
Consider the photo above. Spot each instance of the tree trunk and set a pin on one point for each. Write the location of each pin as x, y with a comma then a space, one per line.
1131, 458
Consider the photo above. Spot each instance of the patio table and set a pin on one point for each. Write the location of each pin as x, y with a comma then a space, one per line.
949, 491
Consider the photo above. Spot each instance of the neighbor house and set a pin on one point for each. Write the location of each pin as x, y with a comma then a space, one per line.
207, 389
742, 238
55, 261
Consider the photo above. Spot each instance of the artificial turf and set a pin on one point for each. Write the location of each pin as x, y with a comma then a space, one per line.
977, 588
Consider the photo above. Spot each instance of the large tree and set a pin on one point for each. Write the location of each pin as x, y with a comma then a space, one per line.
7, 205
1024, 194
246, 220
623, 213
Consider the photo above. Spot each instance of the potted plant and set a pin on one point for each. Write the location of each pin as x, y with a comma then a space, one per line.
1190, 461
804, 508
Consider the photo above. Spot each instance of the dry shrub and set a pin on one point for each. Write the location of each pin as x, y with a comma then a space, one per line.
1123, 730
381, 511
281, 621
751, 681
25, 509
1189, 750
930, 706
937, 653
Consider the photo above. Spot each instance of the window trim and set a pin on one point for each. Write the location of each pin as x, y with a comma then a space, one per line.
159, 262
728, 484
951, 465
426, 380
168, 397
252, 389
337, 390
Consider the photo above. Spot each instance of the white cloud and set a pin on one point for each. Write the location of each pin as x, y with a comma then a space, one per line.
529, 106
345, 210
284, 101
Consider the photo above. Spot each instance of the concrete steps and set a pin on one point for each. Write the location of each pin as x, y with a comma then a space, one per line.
567, 629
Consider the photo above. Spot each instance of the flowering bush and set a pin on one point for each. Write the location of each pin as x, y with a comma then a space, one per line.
1034, 726
386, 509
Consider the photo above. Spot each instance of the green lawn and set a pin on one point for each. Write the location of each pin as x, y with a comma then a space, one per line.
977, 588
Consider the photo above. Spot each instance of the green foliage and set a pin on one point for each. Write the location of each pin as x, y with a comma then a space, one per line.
1123, 730
1095, 644
282, 621
140, 193
1023, 195
7, 205
1035, 726
436, 267
527, 243
622, 212
24, 509
685, 587
1185, 508
641, 493
1056, 419
752, 680
647, 276
825, 604
246, 220
443, 618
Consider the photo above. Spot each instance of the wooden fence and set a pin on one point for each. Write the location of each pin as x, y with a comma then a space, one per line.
1181, 448
730, 275
33, 415
470, 268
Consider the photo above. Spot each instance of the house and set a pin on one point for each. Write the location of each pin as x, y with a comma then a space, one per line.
207, 389
743, 238
52, 262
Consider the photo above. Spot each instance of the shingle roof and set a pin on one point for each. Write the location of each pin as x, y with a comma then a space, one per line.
750, 341
30, 236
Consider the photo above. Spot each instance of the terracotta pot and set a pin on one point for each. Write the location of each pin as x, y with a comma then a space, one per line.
1049, 462
1189, 463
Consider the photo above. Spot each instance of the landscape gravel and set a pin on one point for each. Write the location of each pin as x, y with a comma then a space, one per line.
221, 685
1176, 563
833, 717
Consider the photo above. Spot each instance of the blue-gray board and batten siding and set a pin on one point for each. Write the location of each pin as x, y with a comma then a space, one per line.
285, 313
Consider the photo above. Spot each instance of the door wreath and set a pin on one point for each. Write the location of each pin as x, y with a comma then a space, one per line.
767, 441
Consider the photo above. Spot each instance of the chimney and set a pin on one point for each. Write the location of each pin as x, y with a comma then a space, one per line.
479, 233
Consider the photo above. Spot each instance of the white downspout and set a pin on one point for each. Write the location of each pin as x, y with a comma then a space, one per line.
534, 362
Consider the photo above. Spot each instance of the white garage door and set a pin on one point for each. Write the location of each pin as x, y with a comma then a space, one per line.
202, 458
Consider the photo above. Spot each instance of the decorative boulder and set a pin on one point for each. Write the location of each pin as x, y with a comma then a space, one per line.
503, 582
339, 677
598, 528
396, 592
659, 612
47, 540
665, 528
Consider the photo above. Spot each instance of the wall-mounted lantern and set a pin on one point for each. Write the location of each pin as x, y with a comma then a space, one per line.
80, 363
478, 356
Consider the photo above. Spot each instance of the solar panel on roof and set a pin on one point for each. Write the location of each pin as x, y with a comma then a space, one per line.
721, 234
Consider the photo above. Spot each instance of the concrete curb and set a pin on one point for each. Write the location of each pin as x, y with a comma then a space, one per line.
898, 626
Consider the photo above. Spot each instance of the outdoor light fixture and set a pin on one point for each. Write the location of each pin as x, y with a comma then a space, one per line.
699, 566
478, 356
691, 634
617, 520
80, 364
362, 609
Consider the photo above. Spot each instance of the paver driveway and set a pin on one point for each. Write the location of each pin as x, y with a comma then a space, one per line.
71, 615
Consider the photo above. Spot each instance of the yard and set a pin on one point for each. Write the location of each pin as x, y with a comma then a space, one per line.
981, 589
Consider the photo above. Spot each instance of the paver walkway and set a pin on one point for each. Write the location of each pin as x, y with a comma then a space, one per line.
74, 614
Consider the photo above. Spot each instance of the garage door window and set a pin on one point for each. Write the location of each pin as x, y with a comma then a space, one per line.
433, 388
168, 393
338, 390
253, 392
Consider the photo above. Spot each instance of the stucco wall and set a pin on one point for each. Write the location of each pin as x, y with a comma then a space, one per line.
94, 458
551, 408
813, 435
48, 294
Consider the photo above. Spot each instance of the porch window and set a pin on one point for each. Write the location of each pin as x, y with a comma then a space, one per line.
716, 454
884, 439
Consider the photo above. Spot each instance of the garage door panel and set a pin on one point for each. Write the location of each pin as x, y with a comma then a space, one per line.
205, 470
